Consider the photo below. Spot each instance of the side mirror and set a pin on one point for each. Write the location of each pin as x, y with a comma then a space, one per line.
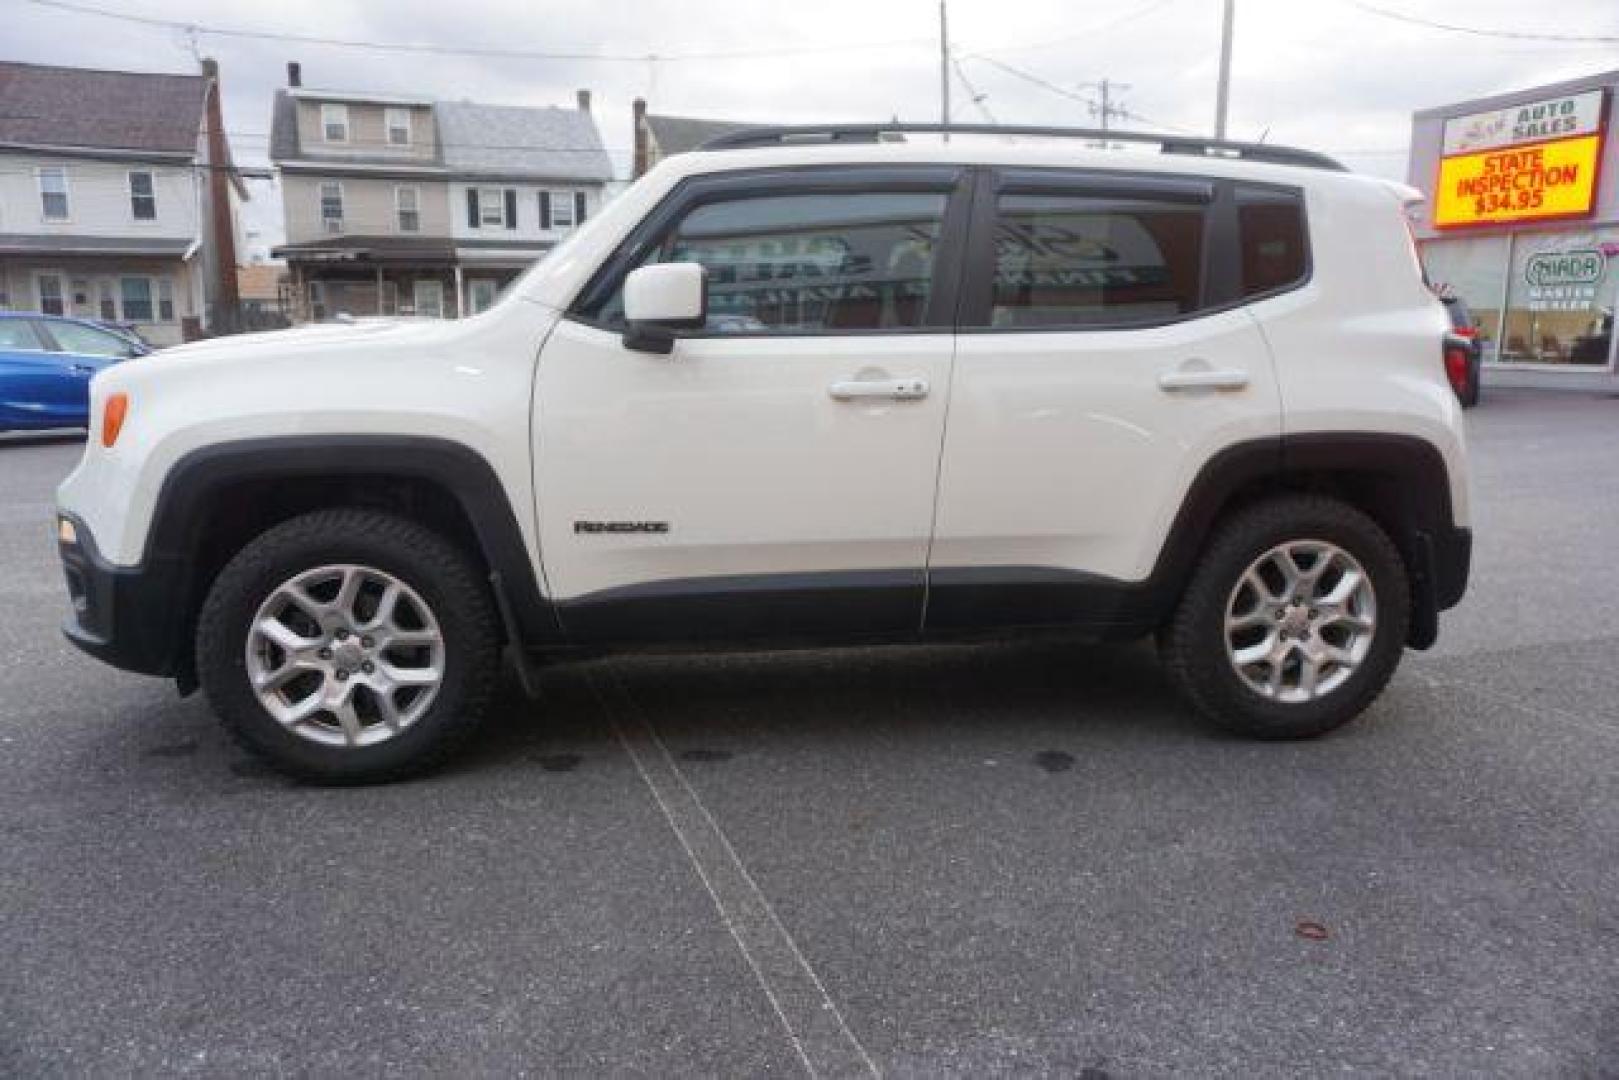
660, 299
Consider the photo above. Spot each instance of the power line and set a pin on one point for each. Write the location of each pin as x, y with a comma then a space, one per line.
194, 28
1100, 28
1031, 78
1478, 31
1089, 103
973, 93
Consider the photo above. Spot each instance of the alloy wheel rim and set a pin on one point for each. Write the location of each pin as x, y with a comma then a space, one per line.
345, 655
1300, 621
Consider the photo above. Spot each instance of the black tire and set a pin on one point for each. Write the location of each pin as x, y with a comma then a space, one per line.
437, 570
1193, 644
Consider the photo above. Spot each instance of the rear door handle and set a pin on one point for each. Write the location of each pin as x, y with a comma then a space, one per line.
892, 389
1216, 379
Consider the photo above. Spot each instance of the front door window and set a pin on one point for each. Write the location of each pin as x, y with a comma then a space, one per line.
795, 264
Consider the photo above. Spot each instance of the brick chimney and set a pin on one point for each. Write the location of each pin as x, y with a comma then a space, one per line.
222, 238
583, 97
295, 74
640, 138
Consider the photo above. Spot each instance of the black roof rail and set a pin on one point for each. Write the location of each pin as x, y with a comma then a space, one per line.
812, 134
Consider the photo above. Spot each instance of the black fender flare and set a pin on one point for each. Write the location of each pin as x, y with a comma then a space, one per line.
194, 481
1406, 486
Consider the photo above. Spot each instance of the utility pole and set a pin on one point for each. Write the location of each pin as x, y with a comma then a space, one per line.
1104, 110
1223, 94
944, 68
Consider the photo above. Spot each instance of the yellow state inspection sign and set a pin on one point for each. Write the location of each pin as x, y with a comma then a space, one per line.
1518, 183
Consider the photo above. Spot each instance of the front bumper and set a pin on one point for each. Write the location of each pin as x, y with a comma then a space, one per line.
126, 616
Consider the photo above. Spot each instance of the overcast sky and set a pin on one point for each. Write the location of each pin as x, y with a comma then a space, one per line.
1319, 73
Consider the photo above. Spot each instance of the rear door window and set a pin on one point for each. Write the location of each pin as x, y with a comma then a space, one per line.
1078, 260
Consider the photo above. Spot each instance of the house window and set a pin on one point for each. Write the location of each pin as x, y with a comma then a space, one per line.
491, 206
407, 204
398, 127
50, 294
53, 192
137, 297
142, 196
331, 206
562, 209
334, 123
429, 297
165, 300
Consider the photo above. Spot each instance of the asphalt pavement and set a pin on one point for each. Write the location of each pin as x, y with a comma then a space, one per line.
990, 859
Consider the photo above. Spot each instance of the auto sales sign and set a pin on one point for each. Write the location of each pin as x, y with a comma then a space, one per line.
1522, 163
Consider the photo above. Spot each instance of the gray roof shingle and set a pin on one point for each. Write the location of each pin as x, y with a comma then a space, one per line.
517, 140
102, 110
678, 134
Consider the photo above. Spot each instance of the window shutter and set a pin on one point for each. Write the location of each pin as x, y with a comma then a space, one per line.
472, 208
545, 210
578, 208
511, 208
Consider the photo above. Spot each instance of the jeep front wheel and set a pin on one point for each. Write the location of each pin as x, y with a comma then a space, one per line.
349, 646
1294, 619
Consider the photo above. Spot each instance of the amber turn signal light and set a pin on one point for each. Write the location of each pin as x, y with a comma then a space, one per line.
112, 418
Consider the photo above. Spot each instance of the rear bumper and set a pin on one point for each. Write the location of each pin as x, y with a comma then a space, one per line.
126, 616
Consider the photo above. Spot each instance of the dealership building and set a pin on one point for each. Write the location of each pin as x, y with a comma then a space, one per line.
1521, 222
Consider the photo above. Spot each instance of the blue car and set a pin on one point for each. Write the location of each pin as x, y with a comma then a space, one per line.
45, 366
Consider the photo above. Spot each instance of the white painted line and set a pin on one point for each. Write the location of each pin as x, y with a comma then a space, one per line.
812, 1021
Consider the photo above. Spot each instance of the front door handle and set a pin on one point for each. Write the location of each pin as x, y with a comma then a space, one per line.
892, 389
1204, 379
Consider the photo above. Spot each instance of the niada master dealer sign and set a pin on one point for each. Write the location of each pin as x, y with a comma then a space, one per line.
1565, 280
1522, 163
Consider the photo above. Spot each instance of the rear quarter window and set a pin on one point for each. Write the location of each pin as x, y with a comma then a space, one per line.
1274, 239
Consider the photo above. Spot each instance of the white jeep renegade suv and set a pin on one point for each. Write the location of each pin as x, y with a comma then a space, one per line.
811, 387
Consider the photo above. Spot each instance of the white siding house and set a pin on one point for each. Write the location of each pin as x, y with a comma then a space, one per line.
104, 216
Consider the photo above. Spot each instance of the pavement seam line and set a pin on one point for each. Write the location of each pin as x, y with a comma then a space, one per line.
702, 874
770, 908
812, 1021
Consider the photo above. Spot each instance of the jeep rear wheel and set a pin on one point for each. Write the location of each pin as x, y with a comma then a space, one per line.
1294, 619
349, 646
